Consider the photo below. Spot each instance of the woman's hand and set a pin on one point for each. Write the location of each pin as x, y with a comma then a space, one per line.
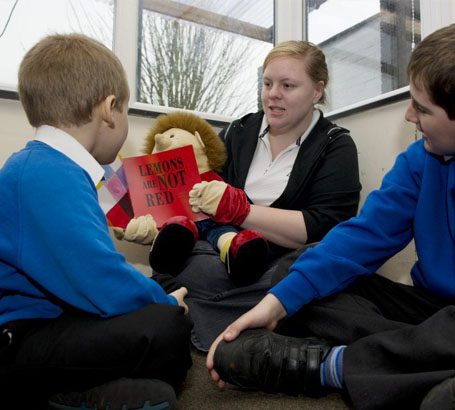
180, 294
266, 314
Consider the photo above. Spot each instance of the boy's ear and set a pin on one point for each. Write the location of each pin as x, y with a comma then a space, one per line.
107, 110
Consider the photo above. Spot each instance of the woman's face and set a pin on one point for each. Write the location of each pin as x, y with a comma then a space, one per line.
289, 94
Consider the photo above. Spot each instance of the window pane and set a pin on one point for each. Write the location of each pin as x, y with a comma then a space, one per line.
367, 44
33, 19
204, 55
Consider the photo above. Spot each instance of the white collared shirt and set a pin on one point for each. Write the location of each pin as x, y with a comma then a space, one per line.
268, 178
67, 145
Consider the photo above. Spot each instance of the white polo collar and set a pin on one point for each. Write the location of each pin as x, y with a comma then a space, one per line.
69, 146
265, 127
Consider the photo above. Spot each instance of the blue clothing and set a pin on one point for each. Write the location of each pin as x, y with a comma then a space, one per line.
211, 230
416, 200
55, 247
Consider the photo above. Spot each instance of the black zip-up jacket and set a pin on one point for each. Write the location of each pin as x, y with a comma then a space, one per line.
324, 181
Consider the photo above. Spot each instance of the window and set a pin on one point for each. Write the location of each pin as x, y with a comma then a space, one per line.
24, 22
216, 67
367, 44
204, 56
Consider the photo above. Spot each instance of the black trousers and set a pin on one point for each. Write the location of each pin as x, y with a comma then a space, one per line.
400, 340
76, 351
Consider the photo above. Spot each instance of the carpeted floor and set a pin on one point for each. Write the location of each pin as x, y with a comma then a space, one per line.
199, 392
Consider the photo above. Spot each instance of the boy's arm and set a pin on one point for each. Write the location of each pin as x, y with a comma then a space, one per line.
67, 250
360, 245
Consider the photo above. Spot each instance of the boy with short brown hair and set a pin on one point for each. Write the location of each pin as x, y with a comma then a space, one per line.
78, 324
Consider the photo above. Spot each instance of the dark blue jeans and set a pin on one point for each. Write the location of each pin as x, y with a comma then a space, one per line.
211, 231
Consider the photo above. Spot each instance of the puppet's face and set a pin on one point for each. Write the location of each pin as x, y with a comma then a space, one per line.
176, 138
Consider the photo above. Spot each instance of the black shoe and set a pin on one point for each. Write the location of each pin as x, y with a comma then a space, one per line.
246, 259
440, 397
122, 394
261, 360
173, 245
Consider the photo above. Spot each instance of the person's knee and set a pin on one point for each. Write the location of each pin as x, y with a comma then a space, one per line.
166, 324
156, 329
173, 344
176, 328
161, 334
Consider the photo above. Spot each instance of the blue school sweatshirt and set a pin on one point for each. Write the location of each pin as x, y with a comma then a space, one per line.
55, 247
415, 201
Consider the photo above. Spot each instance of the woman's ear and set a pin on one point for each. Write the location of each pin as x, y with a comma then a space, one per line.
318, 91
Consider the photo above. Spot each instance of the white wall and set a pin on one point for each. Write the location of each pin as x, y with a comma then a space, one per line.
380, 134
15, 130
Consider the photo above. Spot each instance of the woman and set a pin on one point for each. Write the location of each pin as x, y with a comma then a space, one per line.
299, 172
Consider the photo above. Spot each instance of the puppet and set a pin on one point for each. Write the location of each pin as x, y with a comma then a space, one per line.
244, 252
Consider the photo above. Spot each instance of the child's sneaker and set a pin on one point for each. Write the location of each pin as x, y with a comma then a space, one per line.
121, 394
440, 397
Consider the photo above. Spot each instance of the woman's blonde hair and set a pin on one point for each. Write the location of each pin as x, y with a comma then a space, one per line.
316, 65
64, 76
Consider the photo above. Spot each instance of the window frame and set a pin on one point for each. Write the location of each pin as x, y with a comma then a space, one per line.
290, 23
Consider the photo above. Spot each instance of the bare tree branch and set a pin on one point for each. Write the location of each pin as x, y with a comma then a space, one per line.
190, 66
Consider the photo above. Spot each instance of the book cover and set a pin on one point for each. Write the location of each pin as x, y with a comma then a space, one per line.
159, 184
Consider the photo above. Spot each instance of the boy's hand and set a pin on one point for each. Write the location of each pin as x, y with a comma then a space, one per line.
180, 294
266, 314
142, 230
223, 202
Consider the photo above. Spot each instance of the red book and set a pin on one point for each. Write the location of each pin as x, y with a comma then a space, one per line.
159, 184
